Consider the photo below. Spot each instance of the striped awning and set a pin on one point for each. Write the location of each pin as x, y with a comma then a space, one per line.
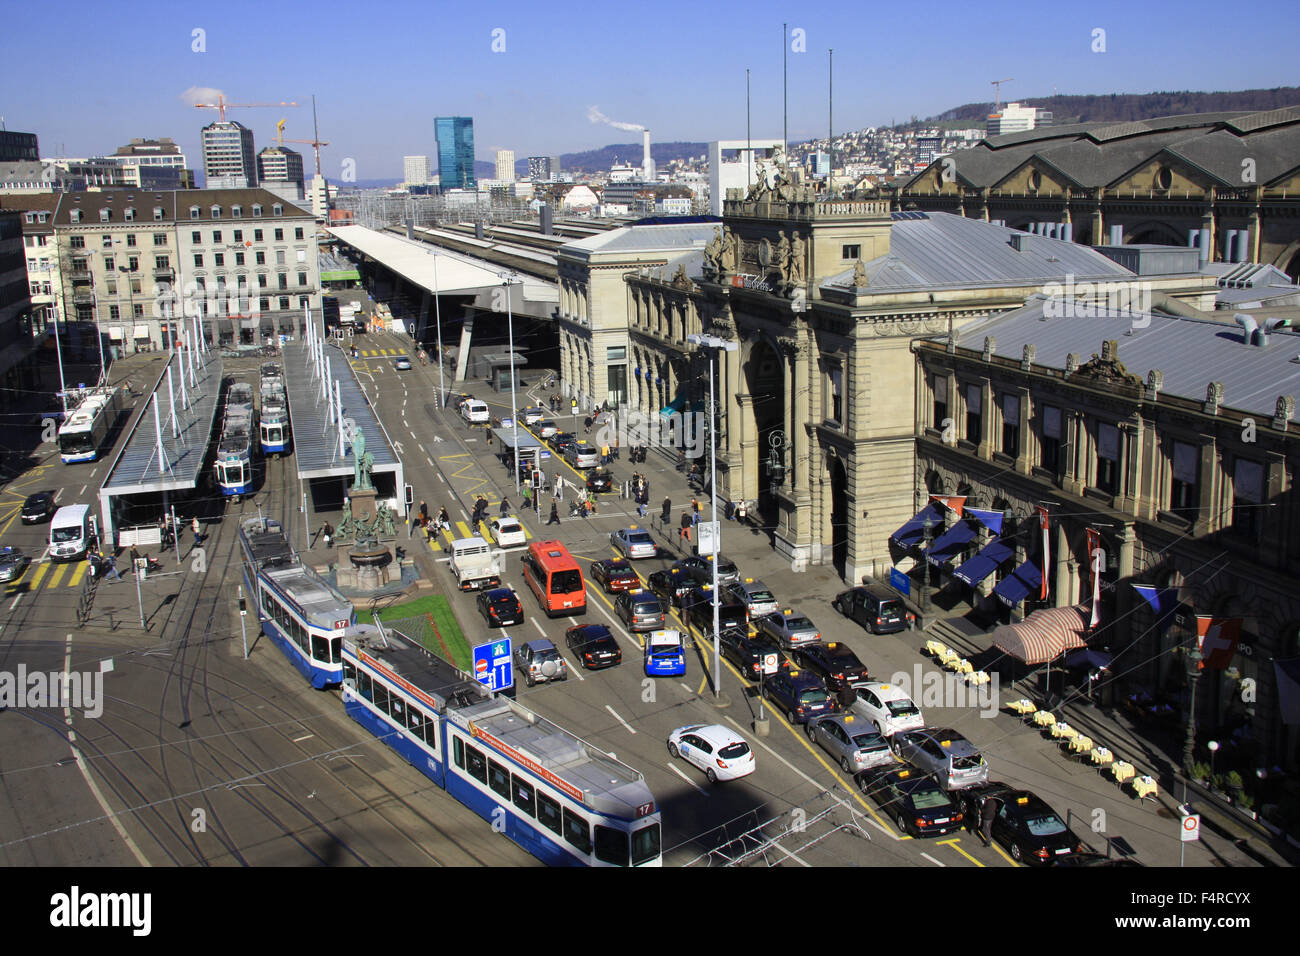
1045, 635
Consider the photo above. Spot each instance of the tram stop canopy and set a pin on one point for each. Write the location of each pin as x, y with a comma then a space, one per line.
530, 449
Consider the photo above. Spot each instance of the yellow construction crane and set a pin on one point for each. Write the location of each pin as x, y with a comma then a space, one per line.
314, 143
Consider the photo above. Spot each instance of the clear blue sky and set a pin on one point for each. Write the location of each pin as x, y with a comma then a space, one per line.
88, 78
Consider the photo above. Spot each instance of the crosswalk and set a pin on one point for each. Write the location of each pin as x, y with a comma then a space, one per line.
379, 353
48, 576
483, 531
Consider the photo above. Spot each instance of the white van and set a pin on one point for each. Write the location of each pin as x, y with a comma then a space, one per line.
474, 411
70, 532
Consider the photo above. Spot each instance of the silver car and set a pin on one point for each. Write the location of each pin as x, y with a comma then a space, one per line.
791, 630
757, 596
540, 660
854, 743
12, 563
952, 760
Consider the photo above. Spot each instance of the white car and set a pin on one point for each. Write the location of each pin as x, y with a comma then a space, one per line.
507, 532
887, 707
547, 429
531, 416
719, 751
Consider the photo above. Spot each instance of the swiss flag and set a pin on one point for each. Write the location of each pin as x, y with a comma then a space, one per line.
1217, 639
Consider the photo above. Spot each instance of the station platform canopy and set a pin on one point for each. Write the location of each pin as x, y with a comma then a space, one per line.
315, 439
186, 419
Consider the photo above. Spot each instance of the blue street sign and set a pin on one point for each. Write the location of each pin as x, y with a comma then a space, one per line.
901, 582
492, 665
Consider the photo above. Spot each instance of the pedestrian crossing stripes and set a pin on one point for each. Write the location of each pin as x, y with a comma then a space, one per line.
48, 575
379, 353
483, 531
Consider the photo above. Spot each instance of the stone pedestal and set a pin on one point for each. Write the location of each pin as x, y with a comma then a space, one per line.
363, 504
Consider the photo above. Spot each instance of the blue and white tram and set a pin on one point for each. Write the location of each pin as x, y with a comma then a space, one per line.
559, 798
273, 428
296, 608
234, 462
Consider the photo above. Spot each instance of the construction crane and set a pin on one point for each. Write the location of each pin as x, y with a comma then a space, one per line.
997, 92
221, 105
314, 143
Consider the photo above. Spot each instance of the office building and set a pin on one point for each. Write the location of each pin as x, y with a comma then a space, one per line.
505, 162
1014, 118
16, 147
228, 158
415, 170
734, 164
279, 164
540, 169
455, 135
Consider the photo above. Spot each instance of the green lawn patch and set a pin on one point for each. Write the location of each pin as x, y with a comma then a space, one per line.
440, 633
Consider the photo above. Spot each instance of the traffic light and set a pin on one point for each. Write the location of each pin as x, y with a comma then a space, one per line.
410, 496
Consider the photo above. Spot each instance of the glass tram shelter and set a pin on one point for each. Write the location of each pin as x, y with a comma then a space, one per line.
530, 449
322, 437
162, 464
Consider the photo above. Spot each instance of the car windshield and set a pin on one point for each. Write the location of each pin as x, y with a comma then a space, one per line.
647, 605
566, 582
761, 597
869, 742
503, 599
799, 624
890, 609
509, 526
929, 799
640, 537
732, 751
1044, 824
902, 708
66, 534
814, 697
967, 762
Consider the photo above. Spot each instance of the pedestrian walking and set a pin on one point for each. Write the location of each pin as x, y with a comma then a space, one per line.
586, 425
555, 511
989, 813
108, 566
197, 529
667, 513
559, 486
640, 508
527, 502
505, 507
424, 514
444, 521
328, 533
604, 453
684, 532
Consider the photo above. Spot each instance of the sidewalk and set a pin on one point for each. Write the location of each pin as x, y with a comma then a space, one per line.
1110, 726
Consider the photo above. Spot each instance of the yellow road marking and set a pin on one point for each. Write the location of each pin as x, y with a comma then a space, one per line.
953, 843
463, 454
464, 529
998, 849
58, 574
78, 573
40, 572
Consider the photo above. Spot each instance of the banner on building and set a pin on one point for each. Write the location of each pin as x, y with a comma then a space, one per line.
1164, 602
1217, 638
1047, 551
1096, 559
990, 519
953, 502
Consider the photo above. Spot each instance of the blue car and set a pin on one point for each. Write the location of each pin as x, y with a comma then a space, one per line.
665, 654
800, 694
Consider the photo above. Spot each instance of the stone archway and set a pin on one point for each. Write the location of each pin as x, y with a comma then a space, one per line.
764, 374
839, 487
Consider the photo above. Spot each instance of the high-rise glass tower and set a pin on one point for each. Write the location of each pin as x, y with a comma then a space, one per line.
455, 135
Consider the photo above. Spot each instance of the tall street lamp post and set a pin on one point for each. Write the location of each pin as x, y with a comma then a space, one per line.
507, 280
437, 312
714, 344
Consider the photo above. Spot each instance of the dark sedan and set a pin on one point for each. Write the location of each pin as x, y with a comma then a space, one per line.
1025, 825
563, 441
600, 481
918, 805
834, 663
38, 507
614, 575
701, 569
594, 646
749, 654
671, 585
500, 607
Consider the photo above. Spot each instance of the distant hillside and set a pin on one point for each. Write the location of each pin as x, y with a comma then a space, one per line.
594, 160
1126, 107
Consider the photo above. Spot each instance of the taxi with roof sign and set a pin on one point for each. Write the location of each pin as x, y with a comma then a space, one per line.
791, 630
854, 743
799, 694
886, 707
833, 662
757, 596
919, 806
634, 543
671, 585
665, 654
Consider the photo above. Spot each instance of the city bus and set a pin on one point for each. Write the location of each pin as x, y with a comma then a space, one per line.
83, 434
554, 576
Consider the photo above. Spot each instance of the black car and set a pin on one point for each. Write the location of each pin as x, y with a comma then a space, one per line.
671, 585
697, 611
875, 607
500, 607
594, 646
749, 654
834, 663
600, 480
38, 507
1025, 825
918, 805
561, 441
